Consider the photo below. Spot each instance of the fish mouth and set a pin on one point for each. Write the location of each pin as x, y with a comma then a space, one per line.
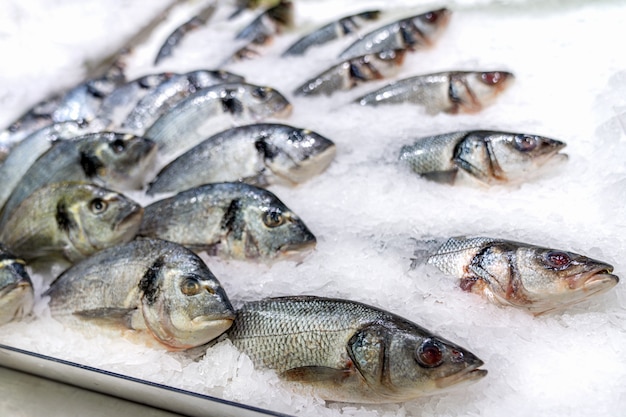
131, 220
313, 165
285, 111
213, 327
599, 281
294, 249
468, 375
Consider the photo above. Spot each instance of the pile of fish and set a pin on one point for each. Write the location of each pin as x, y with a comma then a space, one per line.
67, 162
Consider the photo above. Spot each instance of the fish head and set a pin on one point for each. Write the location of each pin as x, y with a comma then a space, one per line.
119, 159
471, 91
553, 279
262, 102
401, 361
95, 218
431, 24
183, 303
295, 155
16, 289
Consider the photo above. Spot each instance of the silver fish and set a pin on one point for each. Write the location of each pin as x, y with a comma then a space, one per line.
353, 72
524, 276
332, 31
410, 33
258, 154
16, 288
231, 220
348, 351
194, 118
159, 101
70, 220
449, 92
490, 157
160, 289
105, 158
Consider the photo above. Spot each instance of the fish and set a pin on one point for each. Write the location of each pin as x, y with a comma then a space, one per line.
105, 158
16, 287
334, 30
488, 157
160, 290
242, 5
347, 351
258, 154
159, 101
450, 92
353, 72
230, 220
192, 119
70, 220
532, 278
413, 32
177, 35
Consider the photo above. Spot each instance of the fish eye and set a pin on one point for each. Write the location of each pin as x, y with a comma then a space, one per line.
260, 93
492, 78
429, 354
118, 146
273, 218
190, 286
558, 260
98, 206
431, 17
525, 143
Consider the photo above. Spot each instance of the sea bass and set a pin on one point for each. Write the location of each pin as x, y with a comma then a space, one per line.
353, 72
70, 220
258, 154
525, 276
231, 220
490, 157
160, 289
16, 288
194, 118
410, 33
449, 92
109, 159
334, 30
348, 351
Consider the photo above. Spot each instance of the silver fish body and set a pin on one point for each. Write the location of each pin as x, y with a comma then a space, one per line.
258, 154
70, 220
159, 289
524, 276
159, 101
16, 288
331, 31
490, 157
230, 220
109, 159
353, 72
348, 351
449, 92
196, 117
410, 33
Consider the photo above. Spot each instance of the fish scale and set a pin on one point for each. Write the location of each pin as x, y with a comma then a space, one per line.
456, 253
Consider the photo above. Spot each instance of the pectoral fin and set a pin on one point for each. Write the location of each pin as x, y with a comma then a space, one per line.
311, 374
443, 177
129, 318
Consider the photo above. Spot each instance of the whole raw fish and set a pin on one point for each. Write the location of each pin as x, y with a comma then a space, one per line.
159, 289
16, 288
449, 92
348, 351
490, 157
70, 220
231, 220
525, 276
258, 154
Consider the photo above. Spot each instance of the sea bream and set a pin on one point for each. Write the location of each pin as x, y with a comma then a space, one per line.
258, 154
159, 290
210, 110
521, 275
230, 220
16, 288
449, 92
70, 220
412, 33
108, 159
348, 74
489, 157
350, 352
334, 30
